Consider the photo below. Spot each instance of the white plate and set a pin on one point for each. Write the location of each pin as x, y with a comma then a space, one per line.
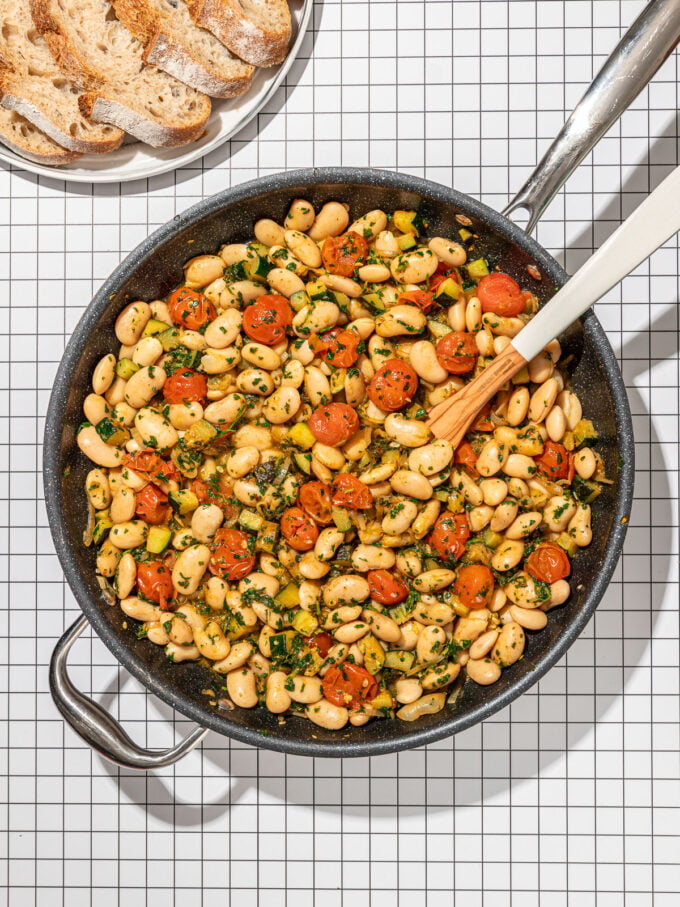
135, 160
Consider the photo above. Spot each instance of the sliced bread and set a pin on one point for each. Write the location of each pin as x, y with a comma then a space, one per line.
258, 31
105, 60
32, 84
173, 42
28, 141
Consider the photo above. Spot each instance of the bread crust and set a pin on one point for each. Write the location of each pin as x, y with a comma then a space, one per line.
26, 140
249, 39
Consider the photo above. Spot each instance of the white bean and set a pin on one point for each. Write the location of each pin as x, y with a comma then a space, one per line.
130, 534
97, 450
494, 491
123, 505
407, 432
399, 320
483, 671
507, 555
155, 430
382, 626
189, 568
579, 526
131, 322
241, 688
103, 374
414, 267
328, 542
492, 458
138, 609
269, 233
225, 410
303, 689
97, 488
524, 525
331, 220
285, 282
518, 405
424, 360
304, 248
411, 484
282, 405
431, 458
585, 462
399, 517
326, 715
144, 385
206, 520
277, 699
509, 646
429, 704
347, 589
530, 619
430, 645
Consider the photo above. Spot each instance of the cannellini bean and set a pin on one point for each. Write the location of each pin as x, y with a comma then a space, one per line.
481, 647
434, 612
492, 458
226, 410
144, 385
269, 233
479, 517
473, 322
126, 575
407, 690
465, 484
494, 491
408, 432
558, 512
523, 591
300, 215
399, 517
507, 555
211, 642
103, 374
189, 568
542, 400
304, 689
123, 505
483, 671
344, 590
236, 659
430, 645
285, 282
351, 632
131, 322
177, 654
355, 388
316, 318
519, 466
156, 634
116, 393
130, 534
278, 698
509, 646
409, 563
304, 248
571, 407
399, 320
541, 367
108, 559
95, 408
501, 326
579, 526
431, 458
524, 525
138, 609
255, 381
425, 519
518, 405
518, 489
424, 360
386, 244
311, 567
556, 424
317, 386
530, 619
440, 676
326, 715
342, 284
97, 488
202, 270
241, 461
224, 330
342, 615
374, 273
585, 462
411, 484
369, 225
327, 544
263, 582
148, 351
559, 593
484, 341
456, 314
256, 436
282, 257
414, 267
331, 220
220, 361
433, 580
451, 253
183, 415
193, 340
155, 429
241, 688
206, 520
293, 373
261, 356
97, 450
429, 704
382, 626
282, 405
233, 253
215, 593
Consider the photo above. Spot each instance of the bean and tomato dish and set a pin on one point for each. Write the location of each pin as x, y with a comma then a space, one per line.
268, 500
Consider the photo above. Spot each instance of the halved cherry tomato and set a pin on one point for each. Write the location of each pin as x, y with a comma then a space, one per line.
154, 581
322, 642
299, 530
185, 385
349, 685
338, 347
190, 309
266, 320
548, 563
348, 491
151, 465
333, 423
554, 463
474, 585
231, 556
342, 254
152, 505
465, 455
421, 298
449, 535
500, 294
386, 588
457, 352
393, 385
315, 499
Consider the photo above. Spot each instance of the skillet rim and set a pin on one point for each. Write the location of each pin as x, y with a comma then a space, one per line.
53, 431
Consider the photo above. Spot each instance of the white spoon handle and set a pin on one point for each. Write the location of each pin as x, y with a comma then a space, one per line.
647, 228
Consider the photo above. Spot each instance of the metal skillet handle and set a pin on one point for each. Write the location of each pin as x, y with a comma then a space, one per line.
95, 726
639, 54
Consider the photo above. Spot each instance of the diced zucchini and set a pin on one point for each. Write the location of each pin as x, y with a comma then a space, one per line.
464, 234
102, 526
187, 461
125, 368
568, 440
259, 248
280, 643
305, 622
585, 433
267, 537
476, 552
337, 380
438, 329
477, 269
183, 357
522, 376
341, 300
155, 326
341, 518
316, 288
374, 302
491, 539
303, 462
199, 434
183, 501
440, 494
169, 339
301, 436
250, 520
299, 300
257, 268
406, 221
113, 434
398, 660
234, 630
402, 612
449, 288
382, 701
158, 539
564, 540
585, 489
406, 242
373, 652
289, 596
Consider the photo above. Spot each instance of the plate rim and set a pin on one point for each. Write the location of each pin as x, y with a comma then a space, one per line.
191, 153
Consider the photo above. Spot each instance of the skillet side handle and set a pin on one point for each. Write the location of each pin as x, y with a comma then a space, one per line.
632, 64
95, 726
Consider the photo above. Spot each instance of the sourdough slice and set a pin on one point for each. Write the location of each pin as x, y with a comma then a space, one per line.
173, 42
258, 31
105, 60
32, 84
28, 141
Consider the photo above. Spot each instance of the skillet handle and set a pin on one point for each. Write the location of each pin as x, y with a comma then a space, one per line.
95, 726
633, 62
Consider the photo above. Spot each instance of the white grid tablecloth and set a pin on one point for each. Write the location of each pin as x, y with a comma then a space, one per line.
571, 796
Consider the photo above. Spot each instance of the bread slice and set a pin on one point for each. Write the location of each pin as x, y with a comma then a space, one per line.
173, 43
32, 84
258, 31
28, 141
105, 60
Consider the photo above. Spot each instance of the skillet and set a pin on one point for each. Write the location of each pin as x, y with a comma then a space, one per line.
155, 268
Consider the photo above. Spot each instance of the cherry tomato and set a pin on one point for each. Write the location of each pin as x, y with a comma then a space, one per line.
185, 385
338, 347
298, 529
450, 533
465, 455
154, 581
322, 642
315, 499
393, 385
190, 309
348, 684
333, 423
548, 563
231, 558
474, 585
554, 463
266, 320
457, 352
342, 254
348, 491
386, 588
500, 294
152, 505
421, 298
151, 465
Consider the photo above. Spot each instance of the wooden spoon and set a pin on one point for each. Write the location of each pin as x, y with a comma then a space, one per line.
648, 227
